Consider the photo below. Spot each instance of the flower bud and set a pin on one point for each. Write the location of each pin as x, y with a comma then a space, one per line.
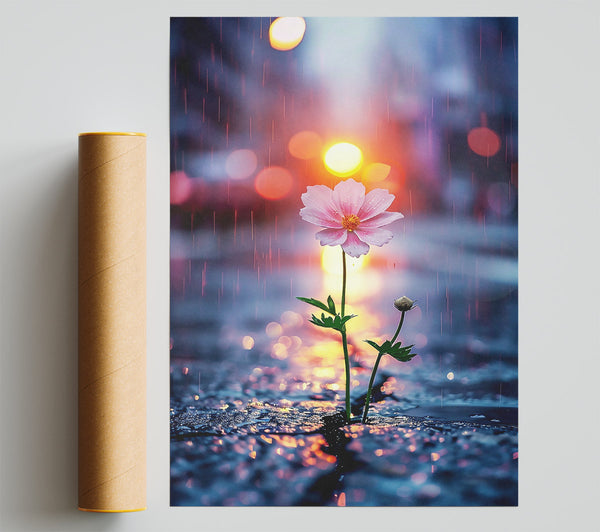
404, 303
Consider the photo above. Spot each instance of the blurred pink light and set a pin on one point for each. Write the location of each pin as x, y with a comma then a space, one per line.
181, 187
420, 340
501, 198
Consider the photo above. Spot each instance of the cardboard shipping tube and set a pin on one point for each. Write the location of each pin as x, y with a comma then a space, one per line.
112, 322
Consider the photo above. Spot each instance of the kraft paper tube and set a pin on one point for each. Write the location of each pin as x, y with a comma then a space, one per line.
112, 322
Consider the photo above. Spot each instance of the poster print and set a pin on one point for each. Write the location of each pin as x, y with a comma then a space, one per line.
344, 262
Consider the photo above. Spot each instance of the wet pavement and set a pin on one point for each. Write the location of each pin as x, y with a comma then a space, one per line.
255, 387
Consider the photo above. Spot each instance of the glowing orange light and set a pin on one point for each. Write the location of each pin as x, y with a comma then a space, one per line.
376, 172
389, 386
343, 159
305, 145
285, 33
325, 373
286, 441
240, 164
331, 261
483, 141
273, 182
323, 357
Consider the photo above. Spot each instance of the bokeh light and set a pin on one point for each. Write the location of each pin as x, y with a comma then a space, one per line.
274, 182
285, 33
420, 340
240, 164
343, 159
483, 141
273, 329
181, 187
305, 145
279, 351
501, 198
247, 342
376, 172
289, 318
286, 341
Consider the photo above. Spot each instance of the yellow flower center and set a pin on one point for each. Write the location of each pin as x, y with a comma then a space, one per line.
350, 222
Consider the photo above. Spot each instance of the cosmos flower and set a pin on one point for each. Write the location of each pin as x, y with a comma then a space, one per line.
350, 218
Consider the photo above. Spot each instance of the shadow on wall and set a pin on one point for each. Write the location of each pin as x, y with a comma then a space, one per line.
38, 380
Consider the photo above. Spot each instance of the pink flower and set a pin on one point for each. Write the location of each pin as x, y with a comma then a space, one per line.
350, 218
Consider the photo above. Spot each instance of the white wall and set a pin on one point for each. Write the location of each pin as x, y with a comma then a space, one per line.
67, 67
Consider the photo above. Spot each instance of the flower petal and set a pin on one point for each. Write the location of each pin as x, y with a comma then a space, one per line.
354, 246
319, 206
317, 196
331, 237
320, 218
348, 197
374, 236
376, 201
380, 220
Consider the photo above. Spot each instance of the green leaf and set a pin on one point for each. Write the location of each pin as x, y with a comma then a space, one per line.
396, 350
331, 305
386, 346
317, 303
348, 317
373, 344
317, 321
404, 358
400, 353
337, 322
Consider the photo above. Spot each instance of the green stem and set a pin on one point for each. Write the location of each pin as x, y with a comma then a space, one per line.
370, 389
347, 364
398, 329
343, 282
372, 380
345, 340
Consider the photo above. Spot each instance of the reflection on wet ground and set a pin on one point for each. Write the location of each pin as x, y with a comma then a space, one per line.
254, 386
